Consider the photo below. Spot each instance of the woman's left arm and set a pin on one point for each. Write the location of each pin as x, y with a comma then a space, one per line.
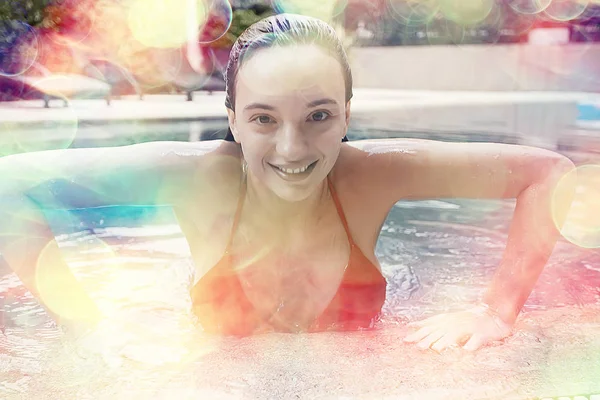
420, 169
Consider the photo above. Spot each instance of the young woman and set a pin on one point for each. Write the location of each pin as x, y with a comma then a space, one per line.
283, 216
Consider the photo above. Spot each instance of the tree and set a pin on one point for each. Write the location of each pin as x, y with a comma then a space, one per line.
29, 11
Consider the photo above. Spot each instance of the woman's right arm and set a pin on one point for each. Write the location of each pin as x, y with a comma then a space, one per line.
144, 174
149, 173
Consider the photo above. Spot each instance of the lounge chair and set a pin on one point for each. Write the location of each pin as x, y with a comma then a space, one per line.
191, 78
121, 81
208, 83
48, 86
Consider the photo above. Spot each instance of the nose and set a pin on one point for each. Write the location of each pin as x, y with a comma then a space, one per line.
292, 144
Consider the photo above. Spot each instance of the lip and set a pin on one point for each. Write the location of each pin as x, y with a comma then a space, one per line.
294, 177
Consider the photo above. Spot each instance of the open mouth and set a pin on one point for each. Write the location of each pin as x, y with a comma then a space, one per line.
297, 172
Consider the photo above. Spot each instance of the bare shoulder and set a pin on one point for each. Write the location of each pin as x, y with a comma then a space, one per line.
357, 178
214, 166
376, 169
198, 157
395, 169
362, 162
186, 150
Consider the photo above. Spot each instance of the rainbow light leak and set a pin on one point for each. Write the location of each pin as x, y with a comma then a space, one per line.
163, 41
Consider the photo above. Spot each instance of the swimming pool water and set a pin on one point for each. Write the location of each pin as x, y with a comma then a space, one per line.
437, 256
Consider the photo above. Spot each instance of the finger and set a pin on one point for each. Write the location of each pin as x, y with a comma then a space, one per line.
474, 343
430, 339
444, 342
426, 321
420, 334
451, 340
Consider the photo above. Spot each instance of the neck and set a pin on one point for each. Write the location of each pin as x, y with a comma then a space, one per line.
262, 201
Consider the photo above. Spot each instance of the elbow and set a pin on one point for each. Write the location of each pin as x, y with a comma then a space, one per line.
563, 184
562, 174
564, 165
554, 175
555, 169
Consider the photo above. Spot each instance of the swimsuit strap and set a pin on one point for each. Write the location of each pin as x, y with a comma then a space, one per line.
340, 210
240, 206
238, 213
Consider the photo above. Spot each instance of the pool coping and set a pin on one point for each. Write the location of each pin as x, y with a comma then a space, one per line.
540, 118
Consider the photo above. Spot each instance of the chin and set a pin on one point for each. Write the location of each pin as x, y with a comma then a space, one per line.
292, 195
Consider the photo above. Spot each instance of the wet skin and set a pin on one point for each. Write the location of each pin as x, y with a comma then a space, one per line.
290, 113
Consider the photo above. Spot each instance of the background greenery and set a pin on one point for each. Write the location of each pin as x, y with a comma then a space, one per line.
29, 11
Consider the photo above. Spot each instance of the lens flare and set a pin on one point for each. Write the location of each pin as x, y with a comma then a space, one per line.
19, 48
56, 133
529, 6
466, 12
569, 365
111, 30
516, 24
489, 29
444, 32
166, 23
218, 22
56, 286
566, 10
582, 224
325, 10
413, 12
154, 67
71, 23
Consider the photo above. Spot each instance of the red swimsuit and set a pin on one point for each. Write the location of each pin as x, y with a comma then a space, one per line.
222, 307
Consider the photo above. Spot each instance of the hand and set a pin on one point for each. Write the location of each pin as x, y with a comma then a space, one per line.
103, 338
123, 337
475, 328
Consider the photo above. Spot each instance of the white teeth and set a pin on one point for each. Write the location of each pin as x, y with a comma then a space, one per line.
294, 171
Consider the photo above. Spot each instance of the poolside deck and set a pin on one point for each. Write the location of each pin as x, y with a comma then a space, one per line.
535, 118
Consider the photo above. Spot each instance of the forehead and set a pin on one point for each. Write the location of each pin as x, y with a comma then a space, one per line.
290, 72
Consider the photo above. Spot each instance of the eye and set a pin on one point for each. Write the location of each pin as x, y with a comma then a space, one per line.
320, 116
263, 119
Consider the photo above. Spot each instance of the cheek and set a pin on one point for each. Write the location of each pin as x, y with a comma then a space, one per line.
254, 152
331, 142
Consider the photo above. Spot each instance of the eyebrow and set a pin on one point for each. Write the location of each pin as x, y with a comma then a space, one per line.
321, 102
315, 103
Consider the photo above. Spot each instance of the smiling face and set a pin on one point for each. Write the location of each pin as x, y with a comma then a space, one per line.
290, 118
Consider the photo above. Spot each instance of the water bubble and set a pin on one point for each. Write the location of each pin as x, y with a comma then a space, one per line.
19, 48
529, 6
566, 10
413, 12
466, 12
217, 23
488, 30
72, 22
513, 24
443, 31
